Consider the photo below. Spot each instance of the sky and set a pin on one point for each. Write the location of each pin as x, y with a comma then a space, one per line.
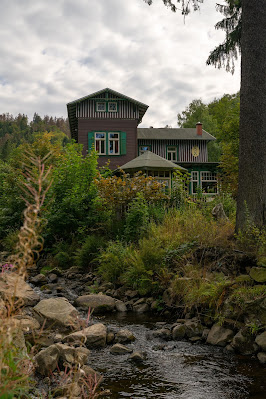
56, 51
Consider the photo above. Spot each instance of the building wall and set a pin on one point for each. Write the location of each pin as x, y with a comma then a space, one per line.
184, 148
86, 125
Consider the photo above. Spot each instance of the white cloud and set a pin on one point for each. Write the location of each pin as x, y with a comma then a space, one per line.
53, 52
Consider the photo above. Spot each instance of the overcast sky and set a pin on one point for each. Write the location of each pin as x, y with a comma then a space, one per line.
56, 51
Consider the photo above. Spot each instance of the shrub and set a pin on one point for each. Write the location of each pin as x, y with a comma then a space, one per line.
113, 261
136, 275
90, 250
137, 218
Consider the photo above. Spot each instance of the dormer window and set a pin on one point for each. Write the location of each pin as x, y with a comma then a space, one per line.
112, 107
100, 106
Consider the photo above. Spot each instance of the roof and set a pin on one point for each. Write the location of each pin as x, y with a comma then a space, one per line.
150, 161
71, 107
173, 134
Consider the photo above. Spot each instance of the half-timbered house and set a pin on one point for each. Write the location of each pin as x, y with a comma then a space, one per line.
108, 121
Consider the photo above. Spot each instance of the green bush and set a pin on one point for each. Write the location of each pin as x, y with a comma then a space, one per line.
90, 250
136, 275
137, 218
113, 261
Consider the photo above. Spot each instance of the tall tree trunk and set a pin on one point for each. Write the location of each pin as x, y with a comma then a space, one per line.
251, 201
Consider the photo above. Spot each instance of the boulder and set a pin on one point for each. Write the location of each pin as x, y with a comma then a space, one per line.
244, 343
110, 337
99, 303
219, 213
131, 294
124, 336
193, 328
138, 357
40, 279
11, 284
119, 349
163, 333
179, 332
141, 308
93, 336
47, 360
262, 357
73, 355
120, 306
261, 341
219, 335
27, 323
258, 274
88, 374
53, 277
57, 312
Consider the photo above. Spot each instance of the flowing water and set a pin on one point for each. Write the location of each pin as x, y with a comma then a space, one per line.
175, 369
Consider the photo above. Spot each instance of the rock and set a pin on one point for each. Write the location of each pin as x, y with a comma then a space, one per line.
57, 312
138, 356
69, 354
179, 332
100, 303
47, 360
110, 337
205, 333
119, 349
141, 308
139, 302
39, 279
27, 323
195, 339
93, 336
229, 348
219, 335
244, 343
261, 341
168, 297
11, 284
162, 333
218, 212
255, 311
154, 305
193, 328
262, 357
120, 306
124, 336
258, 274
89, 374
53, 277
58, 338
131, 294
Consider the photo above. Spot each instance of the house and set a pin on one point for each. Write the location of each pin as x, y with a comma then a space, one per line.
108, 121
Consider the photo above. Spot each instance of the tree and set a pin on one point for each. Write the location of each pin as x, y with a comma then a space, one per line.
245, 26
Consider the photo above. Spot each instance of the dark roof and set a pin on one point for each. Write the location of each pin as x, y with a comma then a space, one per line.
71, 108
173, 134
150, 161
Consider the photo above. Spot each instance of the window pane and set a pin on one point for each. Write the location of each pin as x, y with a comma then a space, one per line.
102, 147
112, 106
100, 106
97, 145
111, 147
100, 135
116, 147
113, 135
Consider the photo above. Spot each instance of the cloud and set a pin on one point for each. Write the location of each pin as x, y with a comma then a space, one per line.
53, 52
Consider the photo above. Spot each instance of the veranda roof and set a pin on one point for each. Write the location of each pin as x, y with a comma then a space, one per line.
150, 161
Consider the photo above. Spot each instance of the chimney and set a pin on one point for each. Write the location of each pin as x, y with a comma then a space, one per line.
199, 129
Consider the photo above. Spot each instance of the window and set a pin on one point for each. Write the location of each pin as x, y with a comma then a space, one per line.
112, 107
100, 143
113, 143
209, 182
101, 106
144, 148
194, 182
172, 154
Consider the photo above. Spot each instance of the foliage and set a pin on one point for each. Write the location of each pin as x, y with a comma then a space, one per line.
89, 250
137, 217
112, 261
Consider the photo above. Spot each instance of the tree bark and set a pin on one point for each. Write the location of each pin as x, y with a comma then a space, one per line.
251, 201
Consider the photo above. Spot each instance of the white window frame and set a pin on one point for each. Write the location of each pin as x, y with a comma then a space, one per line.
171, 152
194, 180
112, 110
100, 110
100, 140
117, 139
209, 177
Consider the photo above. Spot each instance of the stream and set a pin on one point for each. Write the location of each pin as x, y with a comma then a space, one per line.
174, 369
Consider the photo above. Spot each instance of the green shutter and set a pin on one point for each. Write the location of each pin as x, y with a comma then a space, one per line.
123, 143
90, 141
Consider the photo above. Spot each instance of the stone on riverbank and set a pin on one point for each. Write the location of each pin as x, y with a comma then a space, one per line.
73, 355
179, 332
57, 312
99, 303
219, 335
138, 356
47, 360
244, 343
261, 341
13, 285
120, 306
93, 336
163, 333
119, 349
262, 357
124, 336
193, 328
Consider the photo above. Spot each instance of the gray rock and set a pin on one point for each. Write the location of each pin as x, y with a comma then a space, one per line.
179, 332
53, 277
138, 356
13, 285
244, 343
39, 279
219, 335
261, 341
47, 360
124, 336
205, 333
218, 212
27, 323
163, 333
229, 348
262, 357
99, 303
93, 336
120, 306
139, 302
71, 355
119, 349
258, 274
193, 328
141, 308
57, 312
131, 294
110, 337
